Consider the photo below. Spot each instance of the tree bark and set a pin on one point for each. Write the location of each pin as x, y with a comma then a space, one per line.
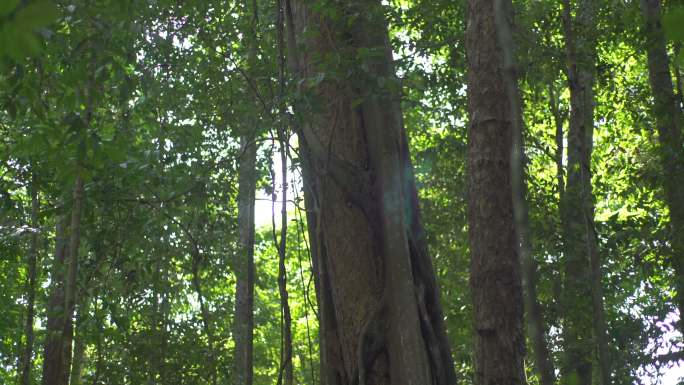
381, 322
70, 294
286, 370
495, 281
53, 360
542, 359
57, 362
27, 356
582, 263
668, 115
244, 267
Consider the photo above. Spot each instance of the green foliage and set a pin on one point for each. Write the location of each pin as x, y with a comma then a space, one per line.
19, 25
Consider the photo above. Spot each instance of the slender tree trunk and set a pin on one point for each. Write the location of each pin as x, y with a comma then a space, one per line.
57, 361
52, 356
582, 264
70, 292
286, 331
286, 367
79, 344
27, 356
381, 322
668, 115
535, 322
558, 120
495, 281
244, 271
244, 291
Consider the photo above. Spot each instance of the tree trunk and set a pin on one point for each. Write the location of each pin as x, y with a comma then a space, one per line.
286, 368
27, 356
70, 294
582, 264
53, 361
381, 322
57, 359
558, 120
244, 267
79, 344
668, 116
495, 281
286, 317
542, 360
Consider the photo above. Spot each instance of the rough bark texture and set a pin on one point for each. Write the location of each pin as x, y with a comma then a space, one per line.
244, 271
668, 121
495, 281
582, 295
27, 355
381, 321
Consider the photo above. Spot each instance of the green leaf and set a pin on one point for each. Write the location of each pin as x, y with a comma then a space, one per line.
7, 6
36, 15
673, 24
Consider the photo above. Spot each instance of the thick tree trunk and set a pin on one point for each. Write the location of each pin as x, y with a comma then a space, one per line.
582, 264
27, 356
668, 116
381, 322
244, 267
495, 281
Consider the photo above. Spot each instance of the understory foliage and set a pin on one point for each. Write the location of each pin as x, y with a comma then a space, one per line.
146, 101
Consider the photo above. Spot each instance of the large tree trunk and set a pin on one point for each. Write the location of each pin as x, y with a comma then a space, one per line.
381, 321
244, 267
495, 281
582, 296
668, 116
27, 356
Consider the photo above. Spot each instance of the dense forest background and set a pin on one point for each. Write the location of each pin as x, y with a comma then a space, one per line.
172, 182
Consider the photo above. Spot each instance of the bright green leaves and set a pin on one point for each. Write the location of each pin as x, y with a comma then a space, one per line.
18, 27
